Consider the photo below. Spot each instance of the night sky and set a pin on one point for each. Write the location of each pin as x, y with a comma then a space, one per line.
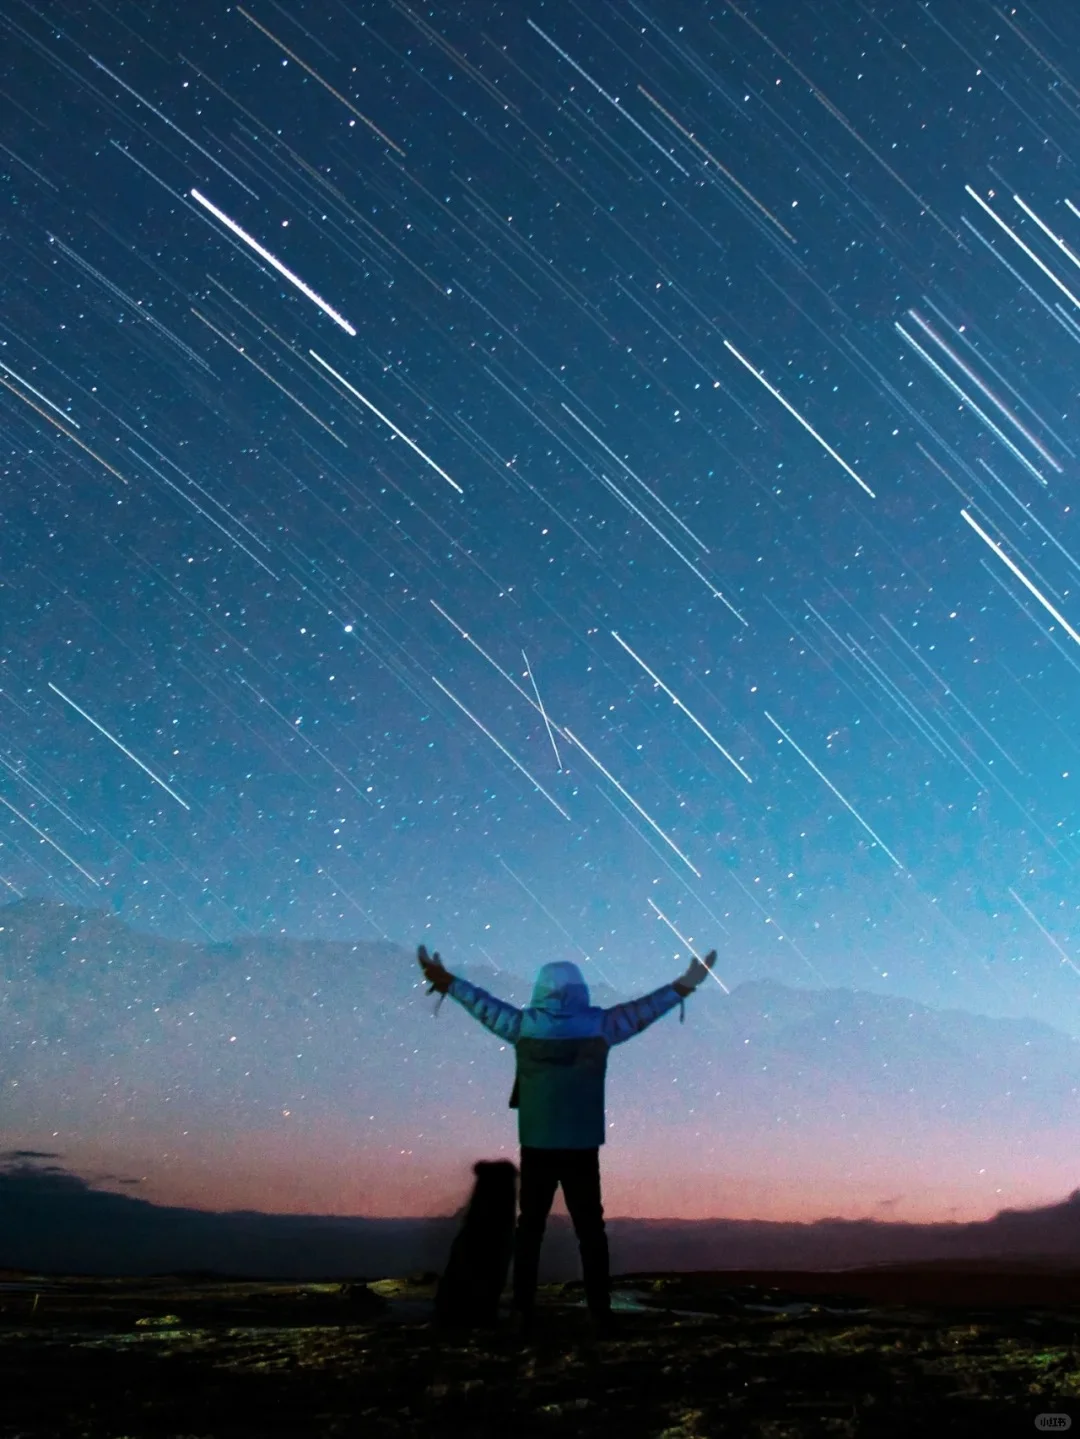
550, 482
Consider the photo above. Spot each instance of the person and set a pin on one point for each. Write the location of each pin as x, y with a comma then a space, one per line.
561, 1044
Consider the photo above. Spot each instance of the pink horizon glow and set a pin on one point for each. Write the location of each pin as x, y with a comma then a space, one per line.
325, 1174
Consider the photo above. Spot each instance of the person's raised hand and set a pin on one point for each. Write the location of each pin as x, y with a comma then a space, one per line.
695, 975
436, 975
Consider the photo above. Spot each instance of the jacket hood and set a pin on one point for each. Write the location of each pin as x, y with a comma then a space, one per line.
560, 989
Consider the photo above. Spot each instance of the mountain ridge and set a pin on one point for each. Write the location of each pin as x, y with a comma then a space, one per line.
52, 1221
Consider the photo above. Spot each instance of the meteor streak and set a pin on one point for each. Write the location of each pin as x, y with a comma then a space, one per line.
205, 514
609, 98
112, 738
1045, 228
135, 94
543, 711
838, 115
955, 698
400, 433
557, 923
652, 493
674, 548
47, 840
494, 663
241, 351
722, 168
805, 423
57, 425
1032, 440
1018, 572
43, 398
849, 807
565, 734
134, 306
340, 889
675, 698
1044, 931
972, 406
626, 795
294, 729
262, 251
1055, 313
1028, 251
687, 944
17, 773
501, 746
316, 76
1031, 516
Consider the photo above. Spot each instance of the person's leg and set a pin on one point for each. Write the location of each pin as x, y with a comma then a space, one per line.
581, 1189
538, 1179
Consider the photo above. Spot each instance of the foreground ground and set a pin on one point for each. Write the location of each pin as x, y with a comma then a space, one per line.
916, 1352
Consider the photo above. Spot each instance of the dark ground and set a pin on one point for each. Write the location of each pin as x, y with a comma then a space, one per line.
921, 1351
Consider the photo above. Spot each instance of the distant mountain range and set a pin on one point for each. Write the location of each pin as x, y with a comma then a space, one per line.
53, 1222
767, 1102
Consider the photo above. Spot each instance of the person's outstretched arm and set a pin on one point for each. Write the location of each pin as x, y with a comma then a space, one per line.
623, 1021
495, 1014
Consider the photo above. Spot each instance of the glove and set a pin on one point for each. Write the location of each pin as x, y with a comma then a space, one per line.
439, 978
697, 972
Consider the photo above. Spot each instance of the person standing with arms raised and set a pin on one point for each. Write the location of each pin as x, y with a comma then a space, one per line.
562, 1044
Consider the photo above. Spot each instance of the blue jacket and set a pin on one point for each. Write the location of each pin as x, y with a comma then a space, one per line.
562, 1045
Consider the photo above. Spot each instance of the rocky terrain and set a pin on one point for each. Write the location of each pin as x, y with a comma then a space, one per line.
925, 1350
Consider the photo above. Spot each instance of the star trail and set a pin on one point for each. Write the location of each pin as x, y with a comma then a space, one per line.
714, 367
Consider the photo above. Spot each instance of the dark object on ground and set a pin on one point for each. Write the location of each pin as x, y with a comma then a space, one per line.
700, 1356
480, 1256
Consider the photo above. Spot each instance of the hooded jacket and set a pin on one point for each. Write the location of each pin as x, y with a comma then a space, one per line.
562, 1044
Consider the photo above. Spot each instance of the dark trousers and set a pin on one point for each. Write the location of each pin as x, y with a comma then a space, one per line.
578, 1171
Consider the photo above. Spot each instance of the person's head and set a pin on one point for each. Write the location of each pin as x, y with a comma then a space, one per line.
560, 986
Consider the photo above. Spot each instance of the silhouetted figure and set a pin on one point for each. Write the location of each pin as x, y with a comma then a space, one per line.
562, 1044
475, 1275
